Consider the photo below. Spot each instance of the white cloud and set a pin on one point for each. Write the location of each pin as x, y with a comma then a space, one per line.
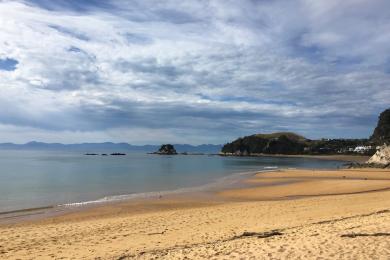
193, 67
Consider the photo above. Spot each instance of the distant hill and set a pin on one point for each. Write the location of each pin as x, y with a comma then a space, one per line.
382, 131
291, 143
289, 135
108, 147
275, 143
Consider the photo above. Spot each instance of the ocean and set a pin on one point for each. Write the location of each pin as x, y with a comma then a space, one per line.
32, 179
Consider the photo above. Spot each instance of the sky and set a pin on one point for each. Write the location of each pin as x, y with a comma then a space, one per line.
150, 72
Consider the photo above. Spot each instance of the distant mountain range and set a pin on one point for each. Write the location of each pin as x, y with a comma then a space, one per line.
108, 147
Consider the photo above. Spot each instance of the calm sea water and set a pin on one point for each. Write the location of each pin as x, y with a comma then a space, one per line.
30, 179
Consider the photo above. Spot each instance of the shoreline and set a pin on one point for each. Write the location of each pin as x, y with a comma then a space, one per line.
332, 157
226, 223
45, 212
210, 191
238, 179
235, 180
218, 183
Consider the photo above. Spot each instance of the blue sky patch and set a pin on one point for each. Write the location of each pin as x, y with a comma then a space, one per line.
116, 70
8, 64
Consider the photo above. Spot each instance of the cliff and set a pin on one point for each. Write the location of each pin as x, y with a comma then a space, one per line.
381, 133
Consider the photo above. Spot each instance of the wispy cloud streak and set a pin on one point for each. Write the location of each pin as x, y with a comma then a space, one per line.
191, 71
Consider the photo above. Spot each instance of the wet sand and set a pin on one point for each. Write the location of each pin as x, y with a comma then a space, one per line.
303, 183
333, 157
305, 214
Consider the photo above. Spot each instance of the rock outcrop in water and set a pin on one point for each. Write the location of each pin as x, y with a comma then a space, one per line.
166, 149
381, 133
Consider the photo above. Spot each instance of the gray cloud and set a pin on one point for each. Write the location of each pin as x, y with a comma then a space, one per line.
69, 32
194, 71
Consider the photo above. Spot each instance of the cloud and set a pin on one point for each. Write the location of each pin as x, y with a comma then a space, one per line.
192, 71
68, 32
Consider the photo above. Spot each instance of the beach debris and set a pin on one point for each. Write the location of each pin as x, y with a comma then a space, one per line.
353, 235
260, 234
157, 233
385, 211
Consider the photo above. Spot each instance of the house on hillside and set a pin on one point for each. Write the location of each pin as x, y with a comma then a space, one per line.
362, 149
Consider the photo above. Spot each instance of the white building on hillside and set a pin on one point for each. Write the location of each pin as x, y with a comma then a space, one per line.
362, 149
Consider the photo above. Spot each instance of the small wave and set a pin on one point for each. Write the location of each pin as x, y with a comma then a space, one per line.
271, 167
221, 182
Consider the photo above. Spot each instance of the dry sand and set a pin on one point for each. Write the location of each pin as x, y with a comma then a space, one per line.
327, 224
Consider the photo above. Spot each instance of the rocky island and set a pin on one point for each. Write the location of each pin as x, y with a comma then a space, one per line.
118, 154
166, 149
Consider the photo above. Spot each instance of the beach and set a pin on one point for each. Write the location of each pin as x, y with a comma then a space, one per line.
307, 214
194, 129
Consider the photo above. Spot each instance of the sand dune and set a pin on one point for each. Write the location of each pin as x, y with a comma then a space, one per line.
176, 228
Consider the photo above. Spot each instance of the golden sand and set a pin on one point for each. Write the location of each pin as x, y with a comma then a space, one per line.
300, 183
346, 215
